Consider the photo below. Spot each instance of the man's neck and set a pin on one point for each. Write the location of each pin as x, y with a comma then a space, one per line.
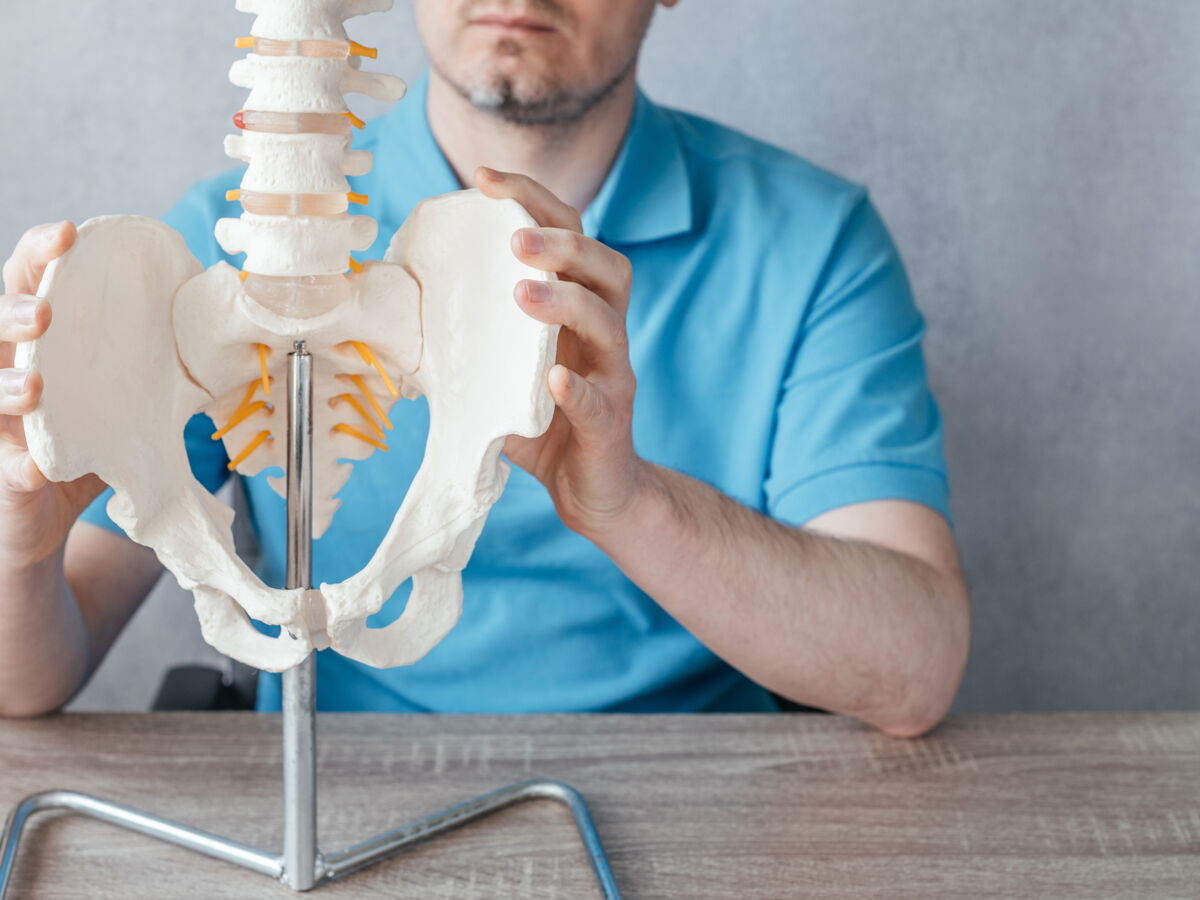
571, 160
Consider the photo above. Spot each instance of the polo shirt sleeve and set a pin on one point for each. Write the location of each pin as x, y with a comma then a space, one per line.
856, 420
194, 218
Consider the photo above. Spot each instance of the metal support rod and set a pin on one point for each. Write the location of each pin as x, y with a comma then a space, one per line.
300, 859
383, 846
133, 820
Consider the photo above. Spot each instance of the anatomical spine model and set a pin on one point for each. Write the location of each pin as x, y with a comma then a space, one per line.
143, 339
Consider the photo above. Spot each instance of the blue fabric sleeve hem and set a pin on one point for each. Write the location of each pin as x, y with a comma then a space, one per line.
861, 483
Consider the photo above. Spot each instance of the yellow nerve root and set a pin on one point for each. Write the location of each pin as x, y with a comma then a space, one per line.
358, 382
220, 433
262, 364
358, 435
355, 120
369, 358
240, 416
244, 43
358, 407
232, 196
243, 275
360, 199
258, 441
244, 410
355, 265
357, 49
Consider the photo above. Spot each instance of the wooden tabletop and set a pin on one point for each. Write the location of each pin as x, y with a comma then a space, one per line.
1070, 805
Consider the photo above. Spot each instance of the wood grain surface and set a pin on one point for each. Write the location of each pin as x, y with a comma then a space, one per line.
1065, 805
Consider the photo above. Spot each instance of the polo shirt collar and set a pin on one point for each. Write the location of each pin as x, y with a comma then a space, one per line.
645, 197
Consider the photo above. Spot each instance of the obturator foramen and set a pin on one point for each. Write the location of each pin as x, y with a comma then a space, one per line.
143, 339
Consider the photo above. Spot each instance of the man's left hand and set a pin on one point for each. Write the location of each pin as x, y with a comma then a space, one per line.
586, 458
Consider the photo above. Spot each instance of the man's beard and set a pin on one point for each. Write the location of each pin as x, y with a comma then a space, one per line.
543, 101
542, 104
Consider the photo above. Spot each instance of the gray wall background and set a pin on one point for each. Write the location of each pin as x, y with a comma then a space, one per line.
1039, 164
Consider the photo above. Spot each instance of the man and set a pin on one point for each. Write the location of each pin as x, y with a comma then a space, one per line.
769, 515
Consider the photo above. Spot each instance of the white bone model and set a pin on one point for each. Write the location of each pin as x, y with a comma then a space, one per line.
143, 339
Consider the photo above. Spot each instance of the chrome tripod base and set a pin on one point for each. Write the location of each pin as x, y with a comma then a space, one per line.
329, 867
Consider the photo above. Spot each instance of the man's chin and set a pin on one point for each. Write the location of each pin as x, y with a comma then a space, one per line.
526, 71
514, 86
524, 110
524, 90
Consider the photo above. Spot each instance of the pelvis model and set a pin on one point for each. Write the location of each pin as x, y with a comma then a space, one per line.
143, 340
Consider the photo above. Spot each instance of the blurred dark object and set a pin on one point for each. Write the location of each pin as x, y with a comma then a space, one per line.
204, 689
788, 706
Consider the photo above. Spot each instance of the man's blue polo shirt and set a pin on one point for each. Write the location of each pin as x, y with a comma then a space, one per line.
777, 351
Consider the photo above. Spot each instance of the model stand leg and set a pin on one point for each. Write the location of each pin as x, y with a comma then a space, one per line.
301, 866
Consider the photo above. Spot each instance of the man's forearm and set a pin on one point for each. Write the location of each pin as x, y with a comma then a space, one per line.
843, 625
44, 654
847, 625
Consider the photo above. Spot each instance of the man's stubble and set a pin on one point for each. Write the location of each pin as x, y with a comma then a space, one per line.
524, 101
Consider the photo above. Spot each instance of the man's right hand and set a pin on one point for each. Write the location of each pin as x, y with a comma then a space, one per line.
64, 602
35, 515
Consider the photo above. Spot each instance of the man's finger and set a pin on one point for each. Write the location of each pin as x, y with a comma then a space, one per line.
579, 258
573, 306
23, 317
20, 392
546, 209
19, 474
37, 249
579, 399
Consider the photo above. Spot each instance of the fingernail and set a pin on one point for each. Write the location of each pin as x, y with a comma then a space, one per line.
537, 291
532, 241
25, 312
14, 381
